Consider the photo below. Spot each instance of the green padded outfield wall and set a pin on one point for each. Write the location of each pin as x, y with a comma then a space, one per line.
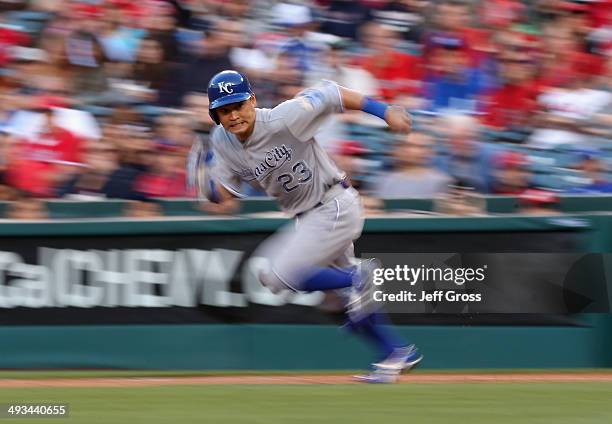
495, 204
289, 347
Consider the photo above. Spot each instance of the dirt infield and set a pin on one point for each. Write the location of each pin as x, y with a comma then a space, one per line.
420, 378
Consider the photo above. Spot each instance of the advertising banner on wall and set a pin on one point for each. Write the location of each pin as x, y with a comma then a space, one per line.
212, 278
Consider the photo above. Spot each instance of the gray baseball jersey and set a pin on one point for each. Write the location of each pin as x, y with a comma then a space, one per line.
281, 155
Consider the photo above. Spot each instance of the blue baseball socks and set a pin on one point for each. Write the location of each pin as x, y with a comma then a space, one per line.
328, 279
376, 327
378, 330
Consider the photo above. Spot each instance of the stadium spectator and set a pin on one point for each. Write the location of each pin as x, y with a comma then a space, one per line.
501, 14
568, 111
512, 105
407, 17
160, 20
398, 73
115, 42
451, 81
451, 17
195, 105
594, 173
127, 25
546, 11
135, 148
296, 21
236, 9
577, 18
155, 74
53, 47
212, 53
413, 174
42, 159
337, 66
464, 159
10, 38
26, 70
9, 104
511, 175
94, 181
451, 20
455, 20
175, 131
343, 18
563, 53
84, 51
167, 177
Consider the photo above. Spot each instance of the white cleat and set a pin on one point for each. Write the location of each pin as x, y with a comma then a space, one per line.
402, 358
389, 370
378, 377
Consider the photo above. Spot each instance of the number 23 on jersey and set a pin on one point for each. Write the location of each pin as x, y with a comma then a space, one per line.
300, 174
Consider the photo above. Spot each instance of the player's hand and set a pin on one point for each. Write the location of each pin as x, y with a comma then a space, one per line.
226, 207
398, 119
224, 202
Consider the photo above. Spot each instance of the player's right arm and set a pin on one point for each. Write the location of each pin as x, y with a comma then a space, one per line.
221, 187
213, 178
225, 202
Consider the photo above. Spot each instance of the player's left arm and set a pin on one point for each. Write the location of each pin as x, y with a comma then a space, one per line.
395, 116
305, 114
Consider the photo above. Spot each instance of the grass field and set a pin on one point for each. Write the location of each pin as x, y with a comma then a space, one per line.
473, 403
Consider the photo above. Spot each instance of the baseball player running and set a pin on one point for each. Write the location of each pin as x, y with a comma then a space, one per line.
276, 149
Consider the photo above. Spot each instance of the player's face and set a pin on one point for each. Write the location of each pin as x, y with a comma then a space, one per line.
238, 118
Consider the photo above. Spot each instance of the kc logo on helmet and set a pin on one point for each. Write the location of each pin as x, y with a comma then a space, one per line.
225, 87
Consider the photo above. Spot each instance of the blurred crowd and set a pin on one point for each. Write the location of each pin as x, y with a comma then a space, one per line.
104, 98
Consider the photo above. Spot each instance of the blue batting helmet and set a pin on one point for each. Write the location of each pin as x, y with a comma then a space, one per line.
225, 88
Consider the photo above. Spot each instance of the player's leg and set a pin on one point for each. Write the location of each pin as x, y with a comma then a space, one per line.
300, 256
317, 255
395, 353
368, 326
299, 270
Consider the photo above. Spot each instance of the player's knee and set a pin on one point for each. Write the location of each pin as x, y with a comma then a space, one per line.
273, 282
